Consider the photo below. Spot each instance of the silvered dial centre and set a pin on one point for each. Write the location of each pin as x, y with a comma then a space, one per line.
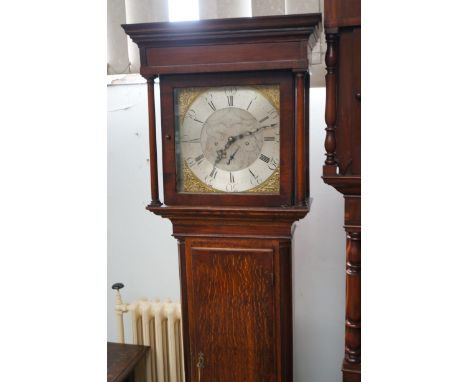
231, 139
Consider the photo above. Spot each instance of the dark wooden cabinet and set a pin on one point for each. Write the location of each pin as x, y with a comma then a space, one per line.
235, 251
125, 363
342, 168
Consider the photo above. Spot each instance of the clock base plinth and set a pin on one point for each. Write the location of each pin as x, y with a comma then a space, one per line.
236, 290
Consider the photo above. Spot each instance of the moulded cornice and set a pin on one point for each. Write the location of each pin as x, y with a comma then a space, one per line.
290, 27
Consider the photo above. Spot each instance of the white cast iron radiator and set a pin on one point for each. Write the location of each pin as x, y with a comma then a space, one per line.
158, 325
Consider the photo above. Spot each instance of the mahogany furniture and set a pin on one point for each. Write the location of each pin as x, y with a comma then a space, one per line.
342, 168
235, 248
124, 360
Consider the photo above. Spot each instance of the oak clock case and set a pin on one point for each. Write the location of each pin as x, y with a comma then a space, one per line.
228, 140
234, 128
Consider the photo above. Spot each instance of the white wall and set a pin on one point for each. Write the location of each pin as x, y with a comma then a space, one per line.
319, 269
143, 255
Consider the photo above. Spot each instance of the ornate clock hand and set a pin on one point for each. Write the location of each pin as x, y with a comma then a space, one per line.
263, 127
222, 153
231, 157
231, 140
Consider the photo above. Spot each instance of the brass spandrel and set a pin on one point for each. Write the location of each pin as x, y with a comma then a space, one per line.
192, 184
269, 186
185, 97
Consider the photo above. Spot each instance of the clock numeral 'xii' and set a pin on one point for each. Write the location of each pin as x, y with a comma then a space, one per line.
230, 92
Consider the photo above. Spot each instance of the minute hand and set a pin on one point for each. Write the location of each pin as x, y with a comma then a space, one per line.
231, 157
249, 133
222, 152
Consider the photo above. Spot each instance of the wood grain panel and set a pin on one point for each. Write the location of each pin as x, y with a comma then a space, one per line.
350, 12
184, 298
233, 299
348, 135
123, 360
193, 56
356, 132
340, 13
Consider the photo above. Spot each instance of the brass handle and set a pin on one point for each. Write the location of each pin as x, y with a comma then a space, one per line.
200, 364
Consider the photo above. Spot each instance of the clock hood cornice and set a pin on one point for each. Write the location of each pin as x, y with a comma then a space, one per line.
225, 45
266, 28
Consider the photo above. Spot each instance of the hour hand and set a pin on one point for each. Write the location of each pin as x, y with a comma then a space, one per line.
220, 154
231, 157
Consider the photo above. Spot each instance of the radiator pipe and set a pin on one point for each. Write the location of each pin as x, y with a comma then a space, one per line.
120, 309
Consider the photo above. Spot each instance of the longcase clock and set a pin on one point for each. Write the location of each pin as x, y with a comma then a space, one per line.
234, 120
342, 167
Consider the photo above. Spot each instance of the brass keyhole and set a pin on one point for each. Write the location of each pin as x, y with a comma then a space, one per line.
200, 364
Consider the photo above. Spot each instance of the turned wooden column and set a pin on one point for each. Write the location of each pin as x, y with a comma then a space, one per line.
352, 361
152, 142
331, 60
300, 169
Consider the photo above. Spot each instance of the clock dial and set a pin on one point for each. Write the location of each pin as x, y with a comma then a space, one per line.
229, 140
